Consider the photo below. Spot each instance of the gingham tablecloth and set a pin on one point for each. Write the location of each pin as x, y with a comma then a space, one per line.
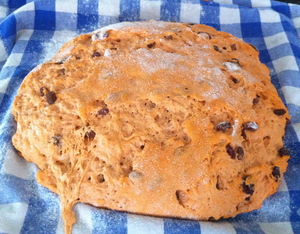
31, 32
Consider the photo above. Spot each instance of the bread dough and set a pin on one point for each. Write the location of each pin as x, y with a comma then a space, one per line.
155, 118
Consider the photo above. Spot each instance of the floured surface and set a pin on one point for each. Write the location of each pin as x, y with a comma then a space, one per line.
168, 120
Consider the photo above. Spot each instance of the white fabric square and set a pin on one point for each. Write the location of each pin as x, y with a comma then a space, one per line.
260, 3
84, 222
280, 227
216, 228
276, 40
12, 217
230, 16
296, 22
3, 12
14, 59
144, 225
3, 54
224, 1
109, 7
269, 16
17, 166
150, 10
60, 228
24, 34
297, 130
190, 13
3, 85
285, 63
291, 95
282, 186
66, 6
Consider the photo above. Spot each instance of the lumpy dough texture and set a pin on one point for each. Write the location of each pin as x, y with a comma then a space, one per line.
156, 118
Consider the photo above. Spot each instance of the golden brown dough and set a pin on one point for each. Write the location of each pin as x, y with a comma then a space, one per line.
156, 118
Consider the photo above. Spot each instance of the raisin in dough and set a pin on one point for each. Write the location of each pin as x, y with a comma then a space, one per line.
156, 118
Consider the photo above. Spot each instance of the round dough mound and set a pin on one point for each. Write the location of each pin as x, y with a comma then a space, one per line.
156, 118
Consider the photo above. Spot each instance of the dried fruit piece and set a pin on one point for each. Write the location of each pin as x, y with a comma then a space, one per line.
248, 188
43, 91
90, 135
240, 152
151, 45
276, 173
283, 151
279, 112
150, 104
56, 140
181, 196
250, 126
103, 112
233, 46
230, 151
243, 134
223, 126
255, 101
100, 178
234, 80
219, 184
216, 48
168, 37
62, 71
96, 54
204, 35
51, 97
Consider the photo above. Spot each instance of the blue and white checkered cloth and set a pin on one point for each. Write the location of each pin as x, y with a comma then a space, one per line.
31, 32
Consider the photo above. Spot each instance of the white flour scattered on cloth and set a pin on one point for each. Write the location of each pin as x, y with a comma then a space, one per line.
58, 40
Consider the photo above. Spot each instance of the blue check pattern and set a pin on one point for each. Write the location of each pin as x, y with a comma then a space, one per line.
31, 31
